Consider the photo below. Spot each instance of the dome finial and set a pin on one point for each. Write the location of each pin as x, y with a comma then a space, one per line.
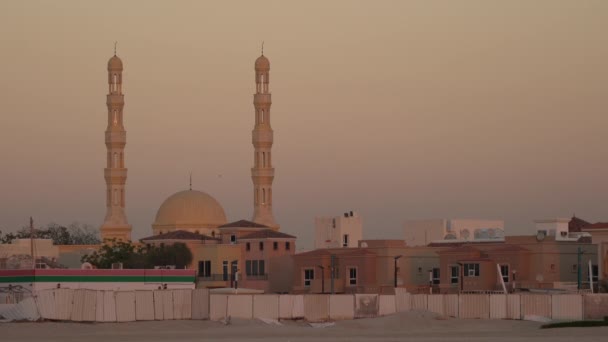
115, 43
262, 48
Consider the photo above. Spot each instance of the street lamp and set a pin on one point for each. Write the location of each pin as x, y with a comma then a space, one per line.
396, 258
322, 278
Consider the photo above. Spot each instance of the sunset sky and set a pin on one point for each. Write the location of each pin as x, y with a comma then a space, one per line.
395, 109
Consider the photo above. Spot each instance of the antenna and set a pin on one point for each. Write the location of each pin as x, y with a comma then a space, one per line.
32, 242
190, 180
262, 48
115, 43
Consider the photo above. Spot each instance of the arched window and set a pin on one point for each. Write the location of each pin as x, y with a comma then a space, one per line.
263, 196
122, 160
115, 120
262, 116
115, 197
115, 161
264, 159
122, 197
256, 196
114, 83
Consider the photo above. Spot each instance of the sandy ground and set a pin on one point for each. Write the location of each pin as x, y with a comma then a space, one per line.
411, 326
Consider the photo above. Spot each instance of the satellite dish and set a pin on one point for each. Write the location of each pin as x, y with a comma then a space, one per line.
86, 266
540, 236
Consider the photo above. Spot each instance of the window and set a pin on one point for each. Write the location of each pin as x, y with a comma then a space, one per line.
248, 246
261, 245
309, 276
454, 274
275, 245
287, 245
333, 223
504, 272
232, 238
436, 276
255, 267
345, 240
574, 268
352, 276
594, 273
471, 270
115, 118
225, 270
204, 268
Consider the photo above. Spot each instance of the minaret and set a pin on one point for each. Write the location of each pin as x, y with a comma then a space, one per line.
262, 172
115, 224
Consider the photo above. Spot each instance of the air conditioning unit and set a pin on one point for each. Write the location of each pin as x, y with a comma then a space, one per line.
170, 267
159, 267
117, 266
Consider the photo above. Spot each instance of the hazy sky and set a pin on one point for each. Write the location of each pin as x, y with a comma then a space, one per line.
396, 109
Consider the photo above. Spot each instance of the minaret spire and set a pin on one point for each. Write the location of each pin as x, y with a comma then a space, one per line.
115, 225
115, 43
262, 172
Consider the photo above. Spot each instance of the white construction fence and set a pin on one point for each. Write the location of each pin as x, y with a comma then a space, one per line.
82, 305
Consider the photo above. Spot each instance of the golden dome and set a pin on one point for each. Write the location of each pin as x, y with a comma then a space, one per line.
189, 209
262, 63
114, 63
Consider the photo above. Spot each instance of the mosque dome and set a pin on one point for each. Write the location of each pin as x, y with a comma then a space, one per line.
262, 63
114, 63
189, 209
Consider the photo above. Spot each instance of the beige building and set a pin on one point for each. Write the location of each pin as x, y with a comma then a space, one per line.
424, 232
338, 231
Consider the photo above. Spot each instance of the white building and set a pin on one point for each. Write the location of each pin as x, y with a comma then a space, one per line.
424, 232
559, 229
339, 231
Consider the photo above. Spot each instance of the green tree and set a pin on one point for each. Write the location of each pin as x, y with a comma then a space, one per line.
112, 251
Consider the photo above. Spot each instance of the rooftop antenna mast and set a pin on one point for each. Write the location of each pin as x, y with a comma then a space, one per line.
190, 180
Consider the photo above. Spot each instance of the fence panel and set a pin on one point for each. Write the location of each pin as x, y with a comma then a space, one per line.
144, 305
567, 307
367, 305
125, 306
46, 304
200, 304
403, 302
596, 306
109, 306
435, 304
63, 304
387, 305
159, 311
266, 306
513, 306
341, 307
182, 304
218, 306
24, 310
474, 306
419, 302
240, 306
450, 305
536, 305
498, 306
316, 308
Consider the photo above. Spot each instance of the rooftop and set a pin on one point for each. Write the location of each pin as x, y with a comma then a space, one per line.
179, 235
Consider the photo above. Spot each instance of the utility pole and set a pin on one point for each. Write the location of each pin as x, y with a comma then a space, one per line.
32, 243
578, 267
395, 270
332, 271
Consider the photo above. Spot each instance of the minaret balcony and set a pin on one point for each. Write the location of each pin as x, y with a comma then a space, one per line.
267, 172
261, 99
262, 136
115, 173
116, 137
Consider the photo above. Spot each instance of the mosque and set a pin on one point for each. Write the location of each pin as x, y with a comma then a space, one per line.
190, 210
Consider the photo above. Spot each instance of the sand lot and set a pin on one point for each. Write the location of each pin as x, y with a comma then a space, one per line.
411, 326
